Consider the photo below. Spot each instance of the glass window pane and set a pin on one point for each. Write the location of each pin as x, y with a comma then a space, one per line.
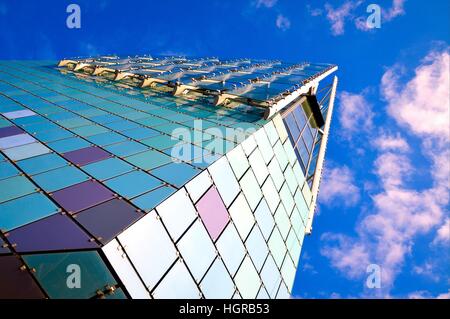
149, 248
177, 213
257, 247
231, 248
224, 179
122, 266
197, 250
217, 283
251, 189
242, 216
177, 284
264, 219
247, 280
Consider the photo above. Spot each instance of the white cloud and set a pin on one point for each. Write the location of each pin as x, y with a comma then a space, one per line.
401, 213
283, 23
422, 294
361, 24
392, 169
422, 105
338, 187
338, 16
443, 233
445, 295
314, 12
397, 9
350, 257
426, 270
355, 113
386, 142
265, 3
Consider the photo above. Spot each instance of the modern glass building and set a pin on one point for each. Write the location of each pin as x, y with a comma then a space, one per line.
159, 177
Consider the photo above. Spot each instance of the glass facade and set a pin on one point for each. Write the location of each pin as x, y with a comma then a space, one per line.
138, 192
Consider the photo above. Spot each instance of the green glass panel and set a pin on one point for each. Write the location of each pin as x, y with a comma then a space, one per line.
58, 274
14, 187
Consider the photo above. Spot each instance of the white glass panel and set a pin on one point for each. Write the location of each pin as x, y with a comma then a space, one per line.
224, 179
264, 219
238, 161
298, 174
197, 250
199, 185
290, 153
217, 283
297, 224
271, 276
307, 194
247, 280
277, 247
262, 294
177, 284
258, 166
271, 194
271, 132
149, 248
264, 145
257, 247
301, 205
280, 154
276, 173
287, 199
177, 213
231, 248
290, 179
251, 189
288, 272
242, 216
249, 145
293, 246
282, 221
283, 293
119, 261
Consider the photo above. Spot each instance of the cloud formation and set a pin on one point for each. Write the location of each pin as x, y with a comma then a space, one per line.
265, 3
391, 142
349, 13
338, 16
355, 112
422, 105
397, 9
283, 23
401, 213
338, 187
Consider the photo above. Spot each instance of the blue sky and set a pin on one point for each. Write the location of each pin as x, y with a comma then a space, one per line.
384, 198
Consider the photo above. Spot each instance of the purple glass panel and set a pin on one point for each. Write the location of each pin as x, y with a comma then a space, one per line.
213, 212
81, 196
56, 232
86, 155
15, 282
107, 220
10, 131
